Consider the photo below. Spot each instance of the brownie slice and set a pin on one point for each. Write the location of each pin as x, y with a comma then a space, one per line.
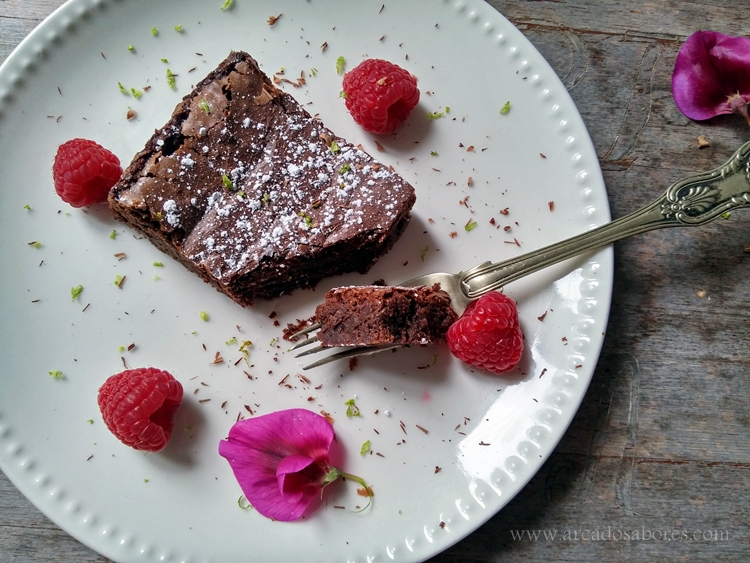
373, 315
250, 192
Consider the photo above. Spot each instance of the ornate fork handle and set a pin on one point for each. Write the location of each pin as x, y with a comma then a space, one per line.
695, 200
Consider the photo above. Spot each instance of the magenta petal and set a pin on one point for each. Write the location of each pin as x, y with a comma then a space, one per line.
299, 478
710, 68
257, 447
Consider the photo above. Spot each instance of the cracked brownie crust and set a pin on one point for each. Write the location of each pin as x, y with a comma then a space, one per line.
257, 197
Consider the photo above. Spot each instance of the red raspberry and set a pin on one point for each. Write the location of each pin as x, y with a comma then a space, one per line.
380, 95
138, 406
84, 171
488, 334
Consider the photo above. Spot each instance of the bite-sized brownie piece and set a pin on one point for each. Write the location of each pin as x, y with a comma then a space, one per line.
373, 315
256, 196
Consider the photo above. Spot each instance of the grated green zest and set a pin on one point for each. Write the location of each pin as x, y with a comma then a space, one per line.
75, 292
227, 182
352, 409
364, 450
307, 218
245, 350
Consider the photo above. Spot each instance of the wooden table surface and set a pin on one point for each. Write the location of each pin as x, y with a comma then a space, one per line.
660, 447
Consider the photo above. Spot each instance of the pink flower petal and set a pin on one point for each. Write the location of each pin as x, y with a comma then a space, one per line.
257, 447
710, 68
299, 478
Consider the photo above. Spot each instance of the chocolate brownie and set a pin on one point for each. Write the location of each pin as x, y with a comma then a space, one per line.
249, 191
373, 315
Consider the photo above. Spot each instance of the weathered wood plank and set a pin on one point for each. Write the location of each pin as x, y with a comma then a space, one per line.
18, 19
27, 536
668, 19
23, 10
604, 514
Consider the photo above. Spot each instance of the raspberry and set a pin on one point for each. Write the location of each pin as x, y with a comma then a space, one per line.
380, 95
84, 171
138, 407
488, 334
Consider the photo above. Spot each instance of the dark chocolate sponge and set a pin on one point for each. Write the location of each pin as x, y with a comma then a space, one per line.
246, 189
374, 315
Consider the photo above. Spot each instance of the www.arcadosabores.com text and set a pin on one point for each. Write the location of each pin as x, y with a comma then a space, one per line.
616, 534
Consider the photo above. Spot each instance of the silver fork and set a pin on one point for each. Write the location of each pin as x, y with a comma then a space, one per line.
692, 201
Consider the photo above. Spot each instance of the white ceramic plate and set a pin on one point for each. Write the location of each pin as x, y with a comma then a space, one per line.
487, 435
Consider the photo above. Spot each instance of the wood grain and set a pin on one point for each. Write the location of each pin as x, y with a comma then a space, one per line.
661, 443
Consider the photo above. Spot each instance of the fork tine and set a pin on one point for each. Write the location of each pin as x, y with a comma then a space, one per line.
351, 353
304, 331
317, 348
305, 342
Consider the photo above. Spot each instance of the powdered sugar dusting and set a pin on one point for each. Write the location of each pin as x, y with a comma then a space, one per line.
171, 213
258, 185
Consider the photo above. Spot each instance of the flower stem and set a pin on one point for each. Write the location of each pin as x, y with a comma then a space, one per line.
334, 473
359, 480
738, 105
